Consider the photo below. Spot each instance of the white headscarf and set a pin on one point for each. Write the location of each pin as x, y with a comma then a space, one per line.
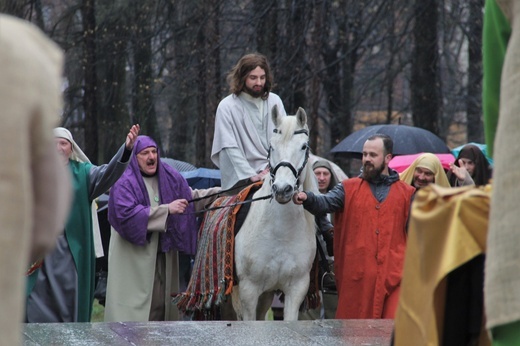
79, 156
77, 153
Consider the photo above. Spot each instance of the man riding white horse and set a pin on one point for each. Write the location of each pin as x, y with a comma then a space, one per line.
243, 126
274, 248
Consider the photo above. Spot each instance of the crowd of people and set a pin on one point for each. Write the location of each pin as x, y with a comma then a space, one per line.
362, 222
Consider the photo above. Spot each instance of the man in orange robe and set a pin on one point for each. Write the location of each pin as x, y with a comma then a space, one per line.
370, 233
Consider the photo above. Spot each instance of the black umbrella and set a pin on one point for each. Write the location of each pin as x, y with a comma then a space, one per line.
407, 140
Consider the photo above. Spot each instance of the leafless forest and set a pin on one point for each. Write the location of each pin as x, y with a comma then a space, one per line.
348, 63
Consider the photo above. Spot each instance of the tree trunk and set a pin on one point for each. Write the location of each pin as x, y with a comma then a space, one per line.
474, 100
143, 100
112, 86
183, 104
425, 67
13, 7
267, 30
290, 64
208, 84
90, 80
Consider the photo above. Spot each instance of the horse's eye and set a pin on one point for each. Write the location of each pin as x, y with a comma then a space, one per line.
304, 147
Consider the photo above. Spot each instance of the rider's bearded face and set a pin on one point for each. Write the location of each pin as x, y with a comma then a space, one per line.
374, 161
255, 82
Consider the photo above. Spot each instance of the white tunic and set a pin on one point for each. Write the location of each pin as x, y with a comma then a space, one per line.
243, 129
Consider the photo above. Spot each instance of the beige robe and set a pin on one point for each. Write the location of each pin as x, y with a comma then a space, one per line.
132, 269
35, 187
502, 271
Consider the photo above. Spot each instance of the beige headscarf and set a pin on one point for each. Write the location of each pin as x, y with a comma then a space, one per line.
79, 156
430, 162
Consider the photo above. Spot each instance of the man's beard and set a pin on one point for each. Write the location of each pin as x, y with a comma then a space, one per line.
370, 172
254, 93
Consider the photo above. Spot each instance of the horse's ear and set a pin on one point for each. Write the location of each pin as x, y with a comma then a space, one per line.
275, 115
301, 116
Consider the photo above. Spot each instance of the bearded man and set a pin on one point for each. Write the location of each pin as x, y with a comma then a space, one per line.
243, 125
370, 233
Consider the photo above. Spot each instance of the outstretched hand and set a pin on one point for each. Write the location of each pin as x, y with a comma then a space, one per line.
178, 206
132, 136
299, 198
460, 172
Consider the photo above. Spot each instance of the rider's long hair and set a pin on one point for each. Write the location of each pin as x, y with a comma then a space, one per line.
238, 74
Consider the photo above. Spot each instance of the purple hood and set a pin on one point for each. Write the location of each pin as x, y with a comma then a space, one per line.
129, 205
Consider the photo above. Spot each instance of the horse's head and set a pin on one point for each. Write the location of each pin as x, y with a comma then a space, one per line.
288, 154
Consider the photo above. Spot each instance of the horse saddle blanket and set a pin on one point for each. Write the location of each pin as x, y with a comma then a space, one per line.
212, 275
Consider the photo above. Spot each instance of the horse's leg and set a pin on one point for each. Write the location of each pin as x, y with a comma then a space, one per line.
235, 300
264, 303
248, 295
294, 295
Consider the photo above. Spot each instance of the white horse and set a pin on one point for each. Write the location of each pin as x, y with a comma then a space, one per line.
276, 245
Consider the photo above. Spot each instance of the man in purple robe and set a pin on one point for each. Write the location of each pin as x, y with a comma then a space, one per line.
151, 221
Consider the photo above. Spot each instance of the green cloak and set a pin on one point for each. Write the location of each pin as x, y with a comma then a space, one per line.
78, 232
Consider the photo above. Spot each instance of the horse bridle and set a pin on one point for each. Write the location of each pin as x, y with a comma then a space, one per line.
272, 172
296, 173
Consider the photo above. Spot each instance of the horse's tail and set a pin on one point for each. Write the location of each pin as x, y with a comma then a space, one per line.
235, 300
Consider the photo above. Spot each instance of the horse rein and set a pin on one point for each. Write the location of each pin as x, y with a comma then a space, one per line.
219, 193
272, 173
295, 172
230, 205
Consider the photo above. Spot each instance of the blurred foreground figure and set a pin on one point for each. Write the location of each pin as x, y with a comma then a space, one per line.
501, 48
35, 190
441, 301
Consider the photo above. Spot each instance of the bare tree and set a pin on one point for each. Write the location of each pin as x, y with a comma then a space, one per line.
208, 82
475, 131
15, 7
142, 32
425, 67
114, 88
349, 63
89, 63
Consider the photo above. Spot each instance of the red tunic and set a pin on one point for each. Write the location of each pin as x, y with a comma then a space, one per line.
369, 247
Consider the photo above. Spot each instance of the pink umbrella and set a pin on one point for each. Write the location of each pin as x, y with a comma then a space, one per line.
402, 162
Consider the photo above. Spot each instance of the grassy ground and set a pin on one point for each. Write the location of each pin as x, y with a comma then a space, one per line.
98, 312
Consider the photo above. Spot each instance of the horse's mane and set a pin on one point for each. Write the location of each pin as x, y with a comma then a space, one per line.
287, 126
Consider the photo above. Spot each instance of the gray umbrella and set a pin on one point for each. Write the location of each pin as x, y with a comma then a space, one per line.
407, 140
180, 166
